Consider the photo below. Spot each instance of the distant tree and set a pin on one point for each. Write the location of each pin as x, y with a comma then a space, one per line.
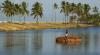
65, 8
24, 10
79, 11
95, 10
86, 9
55, 7
37, 11
8, 9
85, 14
95, 17
18, 10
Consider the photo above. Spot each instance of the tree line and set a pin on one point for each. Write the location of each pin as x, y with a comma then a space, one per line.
81, 13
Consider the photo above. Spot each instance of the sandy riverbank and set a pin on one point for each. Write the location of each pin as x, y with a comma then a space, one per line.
29, 26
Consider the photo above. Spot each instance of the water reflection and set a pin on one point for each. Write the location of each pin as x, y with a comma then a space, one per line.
15, 43
9, 40
42, 42
37, 41
90, 45
9, 43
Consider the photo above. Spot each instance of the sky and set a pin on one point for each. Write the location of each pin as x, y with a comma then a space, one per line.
48, 14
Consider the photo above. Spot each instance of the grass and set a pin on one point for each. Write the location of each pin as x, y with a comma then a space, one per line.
42, 25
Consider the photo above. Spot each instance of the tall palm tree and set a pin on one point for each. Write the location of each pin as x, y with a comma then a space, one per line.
65, 9
85, 12
18, 10
86, 9
37, 11
78, 11
24, 10
55, 7
52, 12
8, 9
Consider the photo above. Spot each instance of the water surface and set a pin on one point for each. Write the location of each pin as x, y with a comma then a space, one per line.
42, 42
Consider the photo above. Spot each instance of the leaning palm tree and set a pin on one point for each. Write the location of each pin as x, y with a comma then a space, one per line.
8, 9
37, 11
55, 7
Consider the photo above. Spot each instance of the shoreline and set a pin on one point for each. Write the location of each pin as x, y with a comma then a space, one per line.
31, 26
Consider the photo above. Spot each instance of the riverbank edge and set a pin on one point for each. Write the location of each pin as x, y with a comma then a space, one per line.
32, 26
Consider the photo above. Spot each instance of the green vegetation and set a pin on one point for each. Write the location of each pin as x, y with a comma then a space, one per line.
24, 10
76, 13
8, 9
37, 11
65, 9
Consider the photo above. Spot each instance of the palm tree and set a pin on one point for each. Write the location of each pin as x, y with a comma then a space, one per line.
0, 7
95, 10
52, 11
78, 11
86, 9
37, 11
65, 8
24, 11
95, 16
8, 9
62, 6
85, 12
55, 7
18, 10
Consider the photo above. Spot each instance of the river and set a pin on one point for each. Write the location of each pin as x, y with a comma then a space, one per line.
42, 42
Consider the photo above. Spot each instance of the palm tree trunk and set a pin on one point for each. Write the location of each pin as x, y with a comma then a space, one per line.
19, 19
55, 16
65, 19
24, 20
37, 21
11, 19
7, 19
52, 10
77, 20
